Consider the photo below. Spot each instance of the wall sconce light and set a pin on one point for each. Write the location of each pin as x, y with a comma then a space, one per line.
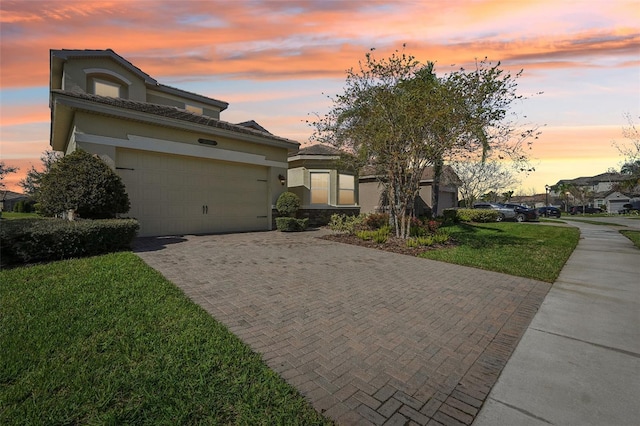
282, 180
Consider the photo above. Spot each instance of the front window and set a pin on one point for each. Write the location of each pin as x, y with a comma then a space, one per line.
319, 188
346, 189
106, 88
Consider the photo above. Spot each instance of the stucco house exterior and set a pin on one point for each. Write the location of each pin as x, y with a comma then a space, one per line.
186, 171
325, 186
371, 192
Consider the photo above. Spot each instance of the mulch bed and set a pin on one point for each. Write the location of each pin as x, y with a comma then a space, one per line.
393, 244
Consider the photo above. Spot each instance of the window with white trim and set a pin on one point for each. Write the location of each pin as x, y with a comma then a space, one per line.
106, 88
346, 189
319, 188
193, 108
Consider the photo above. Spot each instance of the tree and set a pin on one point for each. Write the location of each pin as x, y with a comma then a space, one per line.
480, 177
4, 171
631, 152
397, 117
84, 183
31, 182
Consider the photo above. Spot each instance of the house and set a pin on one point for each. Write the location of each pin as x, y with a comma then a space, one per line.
186, 171
599, 191
8, 200
325, 185
372, 200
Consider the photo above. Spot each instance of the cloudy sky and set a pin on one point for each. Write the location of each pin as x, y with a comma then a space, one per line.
275, 61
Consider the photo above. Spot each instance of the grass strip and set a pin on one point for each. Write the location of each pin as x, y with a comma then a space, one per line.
526, 250
634, 236
108, 340
594, 222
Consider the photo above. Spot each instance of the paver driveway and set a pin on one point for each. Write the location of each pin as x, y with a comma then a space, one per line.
369, 337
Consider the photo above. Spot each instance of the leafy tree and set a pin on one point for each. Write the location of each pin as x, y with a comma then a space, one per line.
31, 182
82, 182
397, 117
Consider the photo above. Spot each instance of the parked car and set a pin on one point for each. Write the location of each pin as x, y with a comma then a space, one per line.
523, 213
549, 212
585, 210
505, 212
633, 207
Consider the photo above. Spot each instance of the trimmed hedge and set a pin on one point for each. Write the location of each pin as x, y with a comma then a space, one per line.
37, 240
477, 215
288, 204
291, 224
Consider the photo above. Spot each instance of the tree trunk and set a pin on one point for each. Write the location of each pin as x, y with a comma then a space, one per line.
435, 189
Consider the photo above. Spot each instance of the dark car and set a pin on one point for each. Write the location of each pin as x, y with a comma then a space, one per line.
549, 212
585, 210
523, 213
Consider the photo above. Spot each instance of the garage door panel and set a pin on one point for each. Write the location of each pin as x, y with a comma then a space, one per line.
168, 194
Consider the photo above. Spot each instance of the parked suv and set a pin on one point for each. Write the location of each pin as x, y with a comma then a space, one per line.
504, 212
523, 213
585, 210
549, 212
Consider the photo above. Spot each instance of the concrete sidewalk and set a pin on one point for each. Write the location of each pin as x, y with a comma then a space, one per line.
578, 363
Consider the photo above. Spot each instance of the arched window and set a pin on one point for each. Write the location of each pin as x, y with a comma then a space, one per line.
104, 82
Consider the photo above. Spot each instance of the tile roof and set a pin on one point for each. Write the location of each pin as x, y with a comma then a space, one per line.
169, 112
318, 149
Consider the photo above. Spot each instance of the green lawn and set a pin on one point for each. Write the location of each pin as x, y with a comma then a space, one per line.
107, 340
634, 236
527, 250
14, 215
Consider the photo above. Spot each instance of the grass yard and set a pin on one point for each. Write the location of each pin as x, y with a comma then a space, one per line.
634, 236
107, 340
14, 215
527, 250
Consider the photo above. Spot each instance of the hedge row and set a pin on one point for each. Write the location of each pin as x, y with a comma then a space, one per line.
37, 240
470, 215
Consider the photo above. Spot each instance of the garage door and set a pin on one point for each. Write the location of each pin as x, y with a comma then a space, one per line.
174, 195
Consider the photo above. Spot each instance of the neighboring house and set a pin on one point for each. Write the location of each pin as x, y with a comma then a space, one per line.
372, 198
613, 201
324, 186
600, 183
185, 170
599, 190
8, 200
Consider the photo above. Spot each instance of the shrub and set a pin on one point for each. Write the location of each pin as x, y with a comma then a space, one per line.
440, 237
82, 182
376, 220
288, 204
35, 240
379, 236
450, 216
291, 224
347, 223
477, 215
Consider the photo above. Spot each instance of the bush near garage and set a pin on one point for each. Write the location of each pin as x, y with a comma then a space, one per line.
288, 204
477, 215
291, 224
38, 240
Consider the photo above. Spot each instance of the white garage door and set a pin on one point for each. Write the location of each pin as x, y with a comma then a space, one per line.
173, 195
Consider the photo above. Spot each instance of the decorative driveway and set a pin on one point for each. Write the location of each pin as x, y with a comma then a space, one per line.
369, 337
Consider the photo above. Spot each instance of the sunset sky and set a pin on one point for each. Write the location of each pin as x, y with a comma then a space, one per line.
276, 61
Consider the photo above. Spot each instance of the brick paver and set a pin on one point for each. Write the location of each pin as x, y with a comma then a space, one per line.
369, 337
